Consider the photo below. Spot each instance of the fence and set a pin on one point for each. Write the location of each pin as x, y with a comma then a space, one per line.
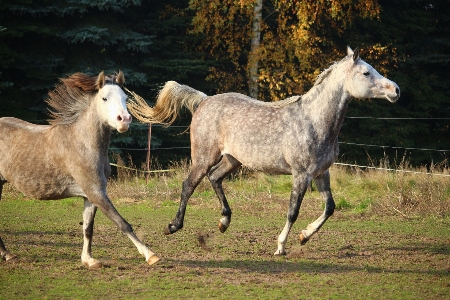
148, 149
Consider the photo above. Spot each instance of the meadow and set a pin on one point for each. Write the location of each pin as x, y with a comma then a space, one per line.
388, 239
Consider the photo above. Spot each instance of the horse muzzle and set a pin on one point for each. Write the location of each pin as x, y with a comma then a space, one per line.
123, 122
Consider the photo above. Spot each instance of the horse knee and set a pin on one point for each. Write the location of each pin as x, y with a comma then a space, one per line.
88, 232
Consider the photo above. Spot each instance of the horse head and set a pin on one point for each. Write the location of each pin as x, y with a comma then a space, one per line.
111, 101
363, 81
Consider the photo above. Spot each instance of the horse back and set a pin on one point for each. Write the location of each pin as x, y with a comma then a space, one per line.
252, 131
260, 135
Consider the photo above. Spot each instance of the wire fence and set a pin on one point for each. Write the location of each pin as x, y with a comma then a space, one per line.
343, 143
337, 164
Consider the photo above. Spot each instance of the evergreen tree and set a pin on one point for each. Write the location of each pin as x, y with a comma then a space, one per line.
410, 42
43, 40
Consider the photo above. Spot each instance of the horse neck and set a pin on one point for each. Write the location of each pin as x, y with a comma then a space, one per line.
326, 105
93, 132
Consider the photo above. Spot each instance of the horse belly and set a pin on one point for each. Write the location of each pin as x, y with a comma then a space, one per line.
259, 157
31, 167
45, 184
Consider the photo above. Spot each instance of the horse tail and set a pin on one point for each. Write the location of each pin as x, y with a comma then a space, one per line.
171, 98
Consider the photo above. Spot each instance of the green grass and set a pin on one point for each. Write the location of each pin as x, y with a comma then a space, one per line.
362, 252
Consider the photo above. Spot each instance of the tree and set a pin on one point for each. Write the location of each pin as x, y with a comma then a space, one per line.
405, 40
296, 39
253, 58
410, 43
45, 40
42, 41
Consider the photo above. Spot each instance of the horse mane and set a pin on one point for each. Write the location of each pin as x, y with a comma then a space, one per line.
284, 102
72, 96
321, 77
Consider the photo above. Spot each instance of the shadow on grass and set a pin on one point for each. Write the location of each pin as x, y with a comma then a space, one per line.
280, 267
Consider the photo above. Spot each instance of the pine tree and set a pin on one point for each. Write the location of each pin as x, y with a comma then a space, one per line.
45, 40
409, 43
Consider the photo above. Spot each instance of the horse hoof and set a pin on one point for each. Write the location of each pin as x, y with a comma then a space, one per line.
222, 227
303, 239
93, 264
10, 257
170, 229
153, 259
279, 253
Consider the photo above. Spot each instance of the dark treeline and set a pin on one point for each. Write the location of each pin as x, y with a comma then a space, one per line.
160, 40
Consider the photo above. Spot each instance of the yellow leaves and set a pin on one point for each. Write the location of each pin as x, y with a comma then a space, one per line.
384, 56
297, 39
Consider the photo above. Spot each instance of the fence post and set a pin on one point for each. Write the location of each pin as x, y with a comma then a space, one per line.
148, 152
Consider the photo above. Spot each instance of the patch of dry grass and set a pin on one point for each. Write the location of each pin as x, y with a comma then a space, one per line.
407, 192
361, 252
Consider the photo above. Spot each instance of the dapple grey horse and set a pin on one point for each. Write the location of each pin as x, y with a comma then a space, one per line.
69, 157
297, 136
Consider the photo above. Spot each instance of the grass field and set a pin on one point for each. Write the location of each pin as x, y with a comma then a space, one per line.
388, 239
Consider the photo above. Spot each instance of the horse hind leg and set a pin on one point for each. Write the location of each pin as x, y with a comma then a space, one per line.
226, 165
323, 185
194, 178
4, 254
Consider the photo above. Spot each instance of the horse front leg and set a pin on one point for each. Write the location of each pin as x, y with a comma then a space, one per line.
105, 205
88, 231
323, 186
298, 191
225, 166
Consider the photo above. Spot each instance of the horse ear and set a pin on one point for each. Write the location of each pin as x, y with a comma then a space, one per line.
101, 80
349, 51
120, 79
356, 55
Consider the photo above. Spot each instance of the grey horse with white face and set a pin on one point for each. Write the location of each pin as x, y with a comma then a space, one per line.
69, 157
297, 136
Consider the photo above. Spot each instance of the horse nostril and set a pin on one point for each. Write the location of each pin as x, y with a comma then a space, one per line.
397, 91
124, 118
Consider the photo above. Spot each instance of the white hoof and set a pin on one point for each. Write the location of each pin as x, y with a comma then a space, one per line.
92, 264
280, 252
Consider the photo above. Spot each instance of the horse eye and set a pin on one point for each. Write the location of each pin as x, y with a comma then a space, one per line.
367, 73
104, 99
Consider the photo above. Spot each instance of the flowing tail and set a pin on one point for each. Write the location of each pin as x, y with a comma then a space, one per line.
172, 97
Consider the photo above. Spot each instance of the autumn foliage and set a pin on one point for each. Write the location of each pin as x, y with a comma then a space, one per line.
297, 38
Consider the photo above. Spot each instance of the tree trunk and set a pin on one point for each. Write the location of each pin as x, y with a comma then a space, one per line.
253, 55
